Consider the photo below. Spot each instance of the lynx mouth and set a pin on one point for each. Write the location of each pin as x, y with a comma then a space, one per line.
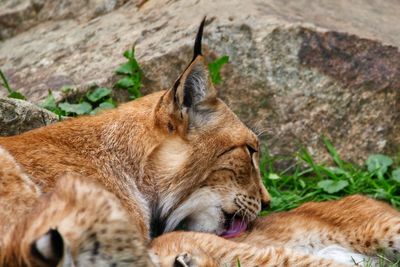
234, 226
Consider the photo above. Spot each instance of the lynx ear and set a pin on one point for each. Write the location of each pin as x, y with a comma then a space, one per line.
194, 86
193, 91
183, 260
49, 248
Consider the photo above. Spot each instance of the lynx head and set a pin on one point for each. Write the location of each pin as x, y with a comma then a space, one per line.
207, 169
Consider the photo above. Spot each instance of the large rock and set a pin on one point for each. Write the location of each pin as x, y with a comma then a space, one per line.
19, 15
301, 69
18, 116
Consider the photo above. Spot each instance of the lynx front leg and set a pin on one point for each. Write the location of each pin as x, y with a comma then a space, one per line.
247, 256
187, 249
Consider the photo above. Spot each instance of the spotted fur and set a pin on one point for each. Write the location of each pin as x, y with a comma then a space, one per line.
78, 224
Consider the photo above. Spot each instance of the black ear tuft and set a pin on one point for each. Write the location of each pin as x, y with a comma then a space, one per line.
197, 42
49, 248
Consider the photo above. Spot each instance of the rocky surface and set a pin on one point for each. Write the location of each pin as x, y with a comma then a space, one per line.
17, 116
19, 15
300, 69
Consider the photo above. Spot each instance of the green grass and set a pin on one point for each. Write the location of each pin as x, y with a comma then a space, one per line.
311, 181
382, 262
11, 93
308, 181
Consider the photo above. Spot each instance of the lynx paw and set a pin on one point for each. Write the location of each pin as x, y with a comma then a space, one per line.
391, 243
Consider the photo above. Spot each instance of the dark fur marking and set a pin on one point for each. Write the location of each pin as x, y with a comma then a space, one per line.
157, 224
96, 247
188, 93
57, 244
170, 127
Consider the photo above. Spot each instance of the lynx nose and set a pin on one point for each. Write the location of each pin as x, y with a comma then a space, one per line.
265, 204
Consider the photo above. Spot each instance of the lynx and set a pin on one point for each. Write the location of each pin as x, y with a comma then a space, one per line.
175, 157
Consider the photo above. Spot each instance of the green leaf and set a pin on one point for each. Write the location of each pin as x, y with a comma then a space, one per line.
125, 82
396, 175
66, 89
331, 186
302, 183
274, 176
5, 82
16, 95
339, 172
50, 102
125, 69
129, 53
333, 152
98, 94
11, 92
132, 75
79, 109
215, 69
134, 91
378, 163
103, 106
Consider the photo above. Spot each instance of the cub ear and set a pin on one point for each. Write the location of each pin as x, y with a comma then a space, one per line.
49, 248
183, 260
193, 90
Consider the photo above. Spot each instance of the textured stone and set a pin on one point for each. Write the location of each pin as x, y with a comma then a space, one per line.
19, 15
18, 116
300, 69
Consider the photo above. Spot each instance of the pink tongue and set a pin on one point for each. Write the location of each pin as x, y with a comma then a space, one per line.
237, 227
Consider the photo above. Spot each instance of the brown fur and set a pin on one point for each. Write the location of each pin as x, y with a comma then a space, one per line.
356, 223
156, 154
12, 180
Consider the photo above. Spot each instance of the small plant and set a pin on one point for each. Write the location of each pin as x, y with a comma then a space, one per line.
100, 98
132, 75
11, 93
215, 69
50, 104
93, 102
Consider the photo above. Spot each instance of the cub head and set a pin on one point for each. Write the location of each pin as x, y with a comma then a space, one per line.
78, 224
207, 170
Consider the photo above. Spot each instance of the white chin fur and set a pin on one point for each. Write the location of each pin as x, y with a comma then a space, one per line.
201, 211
